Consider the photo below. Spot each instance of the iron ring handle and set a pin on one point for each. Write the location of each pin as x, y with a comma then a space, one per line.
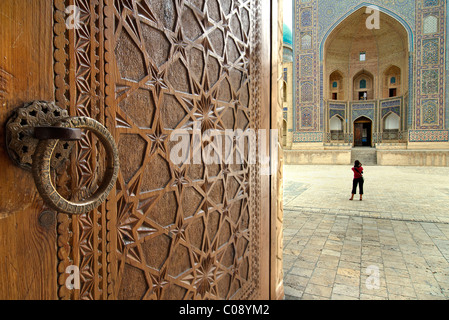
41, 168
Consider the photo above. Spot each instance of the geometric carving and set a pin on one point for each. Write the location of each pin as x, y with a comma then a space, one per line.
232, 186
165, 11
131, 151
135, 289
213, 70
156, 43
225, 234
232, 51
225, 93
244, 96
217, 192
242, 120
217, 41
195, 232
140, 108
167, 231
156, 175
178, 76
235, 78
213, 9
165, 210
228, 118
236, 27
242, 245
182, 261
196, 62
172, 112
191, 201
156, 250
213, 220
192, 28
130, 60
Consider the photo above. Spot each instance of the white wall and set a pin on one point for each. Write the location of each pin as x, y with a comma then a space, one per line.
335, 124
392, 122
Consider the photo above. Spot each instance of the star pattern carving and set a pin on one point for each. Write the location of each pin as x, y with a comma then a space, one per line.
197, 255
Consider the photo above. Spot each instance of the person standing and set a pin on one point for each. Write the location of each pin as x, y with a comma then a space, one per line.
358, 179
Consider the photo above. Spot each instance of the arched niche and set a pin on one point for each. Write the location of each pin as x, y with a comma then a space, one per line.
392, 121
430, 24
336, 86
352, 47
363, 86
392, 82
336, 126
391, 124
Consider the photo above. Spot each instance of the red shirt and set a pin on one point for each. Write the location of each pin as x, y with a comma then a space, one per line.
357, 172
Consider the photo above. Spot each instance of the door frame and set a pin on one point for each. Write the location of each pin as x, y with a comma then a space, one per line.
369, 123
276, 179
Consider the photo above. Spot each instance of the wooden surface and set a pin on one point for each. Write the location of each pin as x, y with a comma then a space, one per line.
144, 69
276, 210
27, 238
188, 231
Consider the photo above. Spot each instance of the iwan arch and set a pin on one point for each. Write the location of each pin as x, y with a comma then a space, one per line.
358, 84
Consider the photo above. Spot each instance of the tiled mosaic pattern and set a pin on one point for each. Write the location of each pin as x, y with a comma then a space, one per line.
423, 109
430, 65
428, 135
307, 137
306, 114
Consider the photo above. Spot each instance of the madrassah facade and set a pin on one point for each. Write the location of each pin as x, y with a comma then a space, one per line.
367, 75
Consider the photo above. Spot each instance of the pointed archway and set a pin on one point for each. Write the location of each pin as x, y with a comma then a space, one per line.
353, 47
363, 132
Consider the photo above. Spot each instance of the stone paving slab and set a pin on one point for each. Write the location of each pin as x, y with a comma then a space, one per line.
392, 245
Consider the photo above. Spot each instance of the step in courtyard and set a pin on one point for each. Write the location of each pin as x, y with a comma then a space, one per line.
366, 155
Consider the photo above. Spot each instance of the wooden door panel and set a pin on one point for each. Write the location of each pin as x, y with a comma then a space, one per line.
167, 231
143, 68
182, 231
79, 77
358, 127
27, 229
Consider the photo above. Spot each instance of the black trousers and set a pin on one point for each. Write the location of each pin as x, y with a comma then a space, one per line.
355, 182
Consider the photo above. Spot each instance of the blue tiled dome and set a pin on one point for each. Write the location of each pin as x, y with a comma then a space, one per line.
288, 38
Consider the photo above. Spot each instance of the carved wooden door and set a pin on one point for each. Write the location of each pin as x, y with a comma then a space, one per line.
358, 128
145, 69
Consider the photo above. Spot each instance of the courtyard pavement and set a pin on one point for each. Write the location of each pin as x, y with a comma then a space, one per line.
392, 245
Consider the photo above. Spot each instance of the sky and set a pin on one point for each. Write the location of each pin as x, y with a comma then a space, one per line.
288, 13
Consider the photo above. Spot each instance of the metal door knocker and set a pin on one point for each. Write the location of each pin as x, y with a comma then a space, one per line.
32, 136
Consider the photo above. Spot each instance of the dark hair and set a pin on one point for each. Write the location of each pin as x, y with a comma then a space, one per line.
357, 163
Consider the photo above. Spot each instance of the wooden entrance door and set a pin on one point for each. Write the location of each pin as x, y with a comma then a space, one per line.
362, 132
143, 68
